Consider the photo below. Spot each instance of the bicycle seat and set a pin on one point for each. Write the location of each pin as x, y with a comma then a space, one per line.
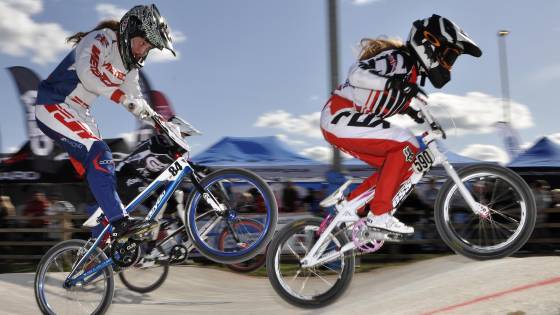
336, 196
94, 219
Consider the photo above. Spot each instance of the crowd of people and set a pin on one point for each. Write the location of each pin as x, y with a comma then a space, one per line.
56, 217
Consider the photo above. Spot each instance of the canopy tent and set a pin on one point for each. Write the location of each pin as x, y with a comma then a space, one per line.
541, 161
266, 156
544, 153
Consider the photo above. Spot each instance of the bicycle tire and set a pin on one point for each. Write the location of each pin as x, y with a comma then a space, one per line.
464, 245
39, 283
269, 225
273, 269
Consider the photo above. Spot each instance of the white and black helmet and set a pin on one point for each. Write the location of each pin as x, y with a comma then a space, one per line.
147, 22
437, 42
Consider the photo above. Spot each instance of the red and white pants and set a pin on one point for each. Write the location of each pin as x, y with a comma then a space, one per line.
388, 148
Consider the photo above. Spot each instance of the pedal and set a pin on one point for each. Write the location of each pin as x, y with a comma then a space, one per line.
139, 232
384, 235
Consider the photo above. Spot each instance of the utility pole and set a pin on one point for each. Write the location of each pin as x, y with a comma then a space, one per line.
504, 76
332, 21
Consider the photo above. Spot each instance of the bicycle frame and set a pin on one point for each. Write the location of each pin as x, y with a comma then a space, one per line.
346, 210
170, 178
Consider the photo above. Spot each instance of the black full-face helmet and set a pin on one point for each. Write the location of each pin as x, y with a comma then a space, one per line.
437, 42
147, 22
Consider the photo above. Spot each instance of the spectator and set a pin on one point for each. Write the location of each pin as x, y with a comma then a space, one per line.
290, 198
7, 212
60, 211
258, 200
556, 198
312, 200
36, 207
543, 198
542, 193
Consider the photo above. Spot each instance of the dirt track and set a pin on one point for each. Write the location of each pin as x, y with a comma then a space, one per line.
447, 285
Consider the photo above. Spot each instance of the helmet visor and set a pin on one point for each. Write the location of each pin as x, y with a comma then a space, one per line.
448, 57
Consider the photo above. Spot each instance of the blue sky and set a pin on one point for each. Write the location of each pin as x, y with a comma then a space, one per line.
260, 67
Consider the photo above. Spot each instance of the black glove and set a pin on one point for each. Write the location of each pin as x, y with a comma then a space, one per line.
400, 83
415, 115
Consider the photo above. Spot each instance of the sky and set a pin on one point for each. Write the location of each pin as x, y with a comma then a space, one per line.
261, 67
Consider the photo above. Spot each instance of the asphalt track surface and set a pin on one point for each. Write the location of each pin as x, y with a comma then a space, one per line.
445, 285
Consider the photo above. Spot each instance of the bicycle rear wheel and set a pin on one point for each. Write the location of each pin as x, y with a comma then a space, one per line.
499, 231
226, 240
231, 196
312, 287
148, 274
53, 298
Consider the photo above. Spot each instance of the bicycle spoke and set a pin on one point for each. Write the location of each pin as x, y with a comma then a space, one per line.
504, 216
303, 284
294, 252
321, 278
501, 197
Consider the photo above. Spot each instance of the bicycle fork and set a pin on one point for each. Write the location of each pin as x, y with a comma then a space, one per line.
440, 158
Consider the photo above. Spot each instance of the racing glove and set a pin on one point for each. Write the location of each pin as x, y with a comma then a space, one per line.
139, 108
415, 115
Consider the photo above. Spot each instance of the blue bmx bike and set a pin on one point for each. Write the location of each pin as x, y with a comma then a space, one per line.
77, 276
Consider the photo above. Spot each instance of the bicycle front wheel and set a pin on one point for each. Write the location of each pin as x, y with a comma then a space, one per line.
311, 287
231, 196
93, 297
502, 228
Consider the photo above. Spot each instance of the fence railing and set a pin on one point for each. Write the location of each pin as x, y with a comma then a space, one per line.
23, 243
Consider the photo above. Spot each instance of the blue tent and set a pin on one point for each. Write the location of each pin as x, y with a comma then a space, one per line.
544, 153
266, 156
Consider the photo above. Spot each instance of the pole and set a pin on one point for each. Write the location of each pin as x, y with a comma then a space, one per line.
504, 74
333, 56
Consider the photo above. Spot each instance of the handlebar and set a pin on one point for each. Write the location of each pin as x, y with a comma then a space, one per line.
171, 133
429, 118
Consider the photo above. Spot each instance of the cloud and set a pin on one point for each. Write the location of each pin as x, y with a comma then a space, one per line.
485, 152
319, 153
555, 137
290, 140
473, 113
107, 11
20, 36
302, 125
322, 153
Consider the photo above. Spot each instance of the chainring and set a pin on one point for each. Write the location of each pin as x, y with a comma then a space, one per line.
126, 254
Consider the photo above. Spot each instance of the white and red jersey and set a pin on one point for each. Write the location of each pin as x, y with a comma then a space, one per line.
367, 81
353, 120
94, 67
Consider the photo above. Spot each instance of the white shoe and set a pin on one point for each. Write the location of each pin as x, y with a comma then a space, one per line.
389, 223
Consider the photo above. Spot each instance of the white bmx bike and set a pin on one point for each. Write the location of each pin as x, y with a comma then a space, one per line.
483, 211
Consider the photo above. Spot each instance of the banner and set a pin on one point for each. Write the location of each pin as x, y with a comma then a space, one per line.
27, 83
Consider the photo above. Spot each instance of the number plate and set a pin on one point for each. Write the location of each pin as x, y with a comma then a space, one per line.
423, 162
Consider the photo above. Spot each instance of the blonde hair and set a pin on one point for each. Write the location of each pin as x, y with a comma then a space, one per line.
371, 47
